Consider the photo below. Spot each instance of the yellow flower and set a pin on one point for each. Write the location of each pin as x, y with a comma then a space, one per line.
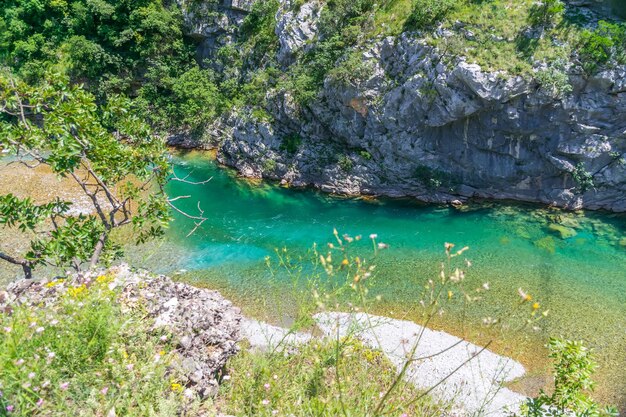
345, 262
161, 352
76, 292
536, 306
176, 387
450, 294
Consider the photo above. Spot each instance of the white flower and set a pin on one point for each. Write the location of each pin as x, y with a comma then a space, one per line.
373, 236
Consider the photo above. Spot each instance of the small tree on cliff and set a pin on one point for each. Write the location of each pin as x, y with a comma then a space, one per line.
106, 149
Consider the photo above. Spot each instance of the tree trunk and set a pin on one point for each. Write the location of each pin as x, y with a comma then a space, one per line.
97, 251
26, 265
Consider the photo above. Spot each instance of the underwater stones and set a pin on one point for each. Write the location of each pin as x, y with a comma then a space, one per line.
563, 232
547, 243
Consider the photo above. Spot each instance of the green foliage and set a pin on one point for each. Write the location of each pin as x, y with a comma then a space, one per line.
353, 70
582, 177
428, 13
555, 79
545, 12
365, 154
345, 163
193, 100
291, 143
433, 178
573, 368
106, 149
269, 165
598, 46
82, 355
133, 47
306, 383
257, 33
339, 14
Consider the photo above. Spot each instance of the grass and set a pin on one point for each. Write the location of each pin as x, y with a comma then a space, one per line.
323, 378
82, 355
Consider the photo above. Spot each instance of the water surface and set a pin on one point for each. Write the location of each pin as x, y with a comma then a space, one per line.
581, 278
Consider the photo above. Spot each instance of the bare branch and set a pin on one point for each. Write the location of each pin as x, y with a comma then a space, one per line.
175, 177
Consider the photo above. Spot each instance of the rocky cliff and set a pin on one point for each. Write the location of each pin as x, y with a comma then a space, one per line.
419, 122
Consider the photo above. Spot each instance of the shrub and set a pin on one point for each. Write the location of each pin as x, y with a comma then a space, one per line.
433, 178
428, 13
545, 12
573, 368
555, 79
291, 143
597, 47
82, 355
582, 177
345, 163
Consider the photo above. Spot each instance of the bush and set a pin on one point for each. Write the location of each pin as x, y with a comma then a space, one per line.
545, 12
597, 47
582, 177
291, 143
345, 163
82, 355
573, 368
428, 13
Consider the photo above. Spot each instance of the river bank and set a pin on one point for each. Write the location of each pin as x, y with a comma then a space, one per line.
575, 277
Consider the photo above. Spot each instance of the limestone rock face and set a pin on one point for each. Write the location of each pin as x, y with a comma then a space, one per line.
439, 129
296, 29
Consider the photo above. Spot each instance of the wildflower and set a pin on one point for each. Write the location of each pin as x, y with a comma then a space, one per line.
51, 355
39, 330
32, 324
265, 401
161, 352
54, 322
31, 375
373, 236
64, 385
176, 387
274, 412
7, 329
10, 408
40, 402
45, 384
345, 262
486, 286
26, 385
188, 393
163, 338
130, 366
104, 390
450, 294
536, 306
275, 377
226, 377
19, 362
266, 386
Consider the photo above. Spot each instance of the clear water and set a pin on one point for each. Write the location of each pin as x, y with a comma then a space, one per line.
580, 279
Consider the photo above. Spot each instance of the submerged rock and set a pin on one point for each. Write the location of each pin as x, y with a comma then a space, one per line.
563, 232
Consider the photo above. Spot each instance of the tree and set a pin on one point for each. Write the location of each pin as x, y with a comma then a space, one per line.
106, 149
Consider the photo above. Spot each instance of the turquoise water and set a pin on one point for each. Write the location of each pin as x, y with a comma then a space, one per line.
581, 279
